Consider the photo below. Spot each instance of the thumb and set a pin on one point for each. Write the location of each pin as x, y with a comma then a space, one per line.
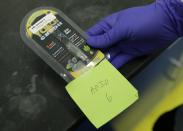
109, 38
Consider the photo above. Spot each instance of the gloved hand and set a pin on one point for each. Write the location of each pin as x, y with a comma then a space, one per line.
138, 31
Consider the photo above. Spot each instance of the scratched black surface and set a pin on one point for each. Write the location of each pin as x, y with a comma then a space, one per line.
32, 95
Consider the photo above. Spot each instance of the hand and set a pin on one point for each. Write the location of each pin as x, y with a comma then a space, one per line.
137, 31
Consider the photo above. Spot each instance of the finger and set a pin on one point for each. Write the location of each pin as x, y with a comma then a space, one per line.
103, 26
112, 52
121, 59
139, 48
98, 29
109, 38
112, 19
95, 30
133, 48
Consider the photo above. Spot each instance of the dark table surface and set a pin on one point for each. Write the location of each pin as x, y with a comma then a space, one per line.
32, 95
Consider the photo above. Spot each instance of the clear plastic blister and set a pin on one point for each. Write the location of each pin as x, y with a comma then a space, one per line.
59, 42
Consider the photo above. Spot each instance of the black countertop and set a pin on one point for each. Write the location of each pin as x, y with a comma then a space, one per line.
32, 95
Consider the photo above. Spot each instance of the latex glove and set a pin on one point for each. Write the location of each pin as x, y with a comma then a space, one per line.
138, 31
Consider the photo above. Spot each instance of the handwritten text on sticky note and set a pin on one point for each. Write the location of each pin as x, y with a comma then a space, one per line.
102, 93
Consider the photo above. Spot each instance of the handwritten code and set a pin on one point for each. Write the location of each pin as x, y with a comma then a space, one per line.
99, 86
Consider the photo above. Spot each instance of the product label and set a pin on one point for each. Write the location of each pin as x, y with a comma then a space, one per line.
42, 22
65, 44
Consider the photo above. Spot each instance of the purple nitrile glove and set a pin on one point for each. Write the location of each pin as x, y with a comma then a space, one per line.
138, 31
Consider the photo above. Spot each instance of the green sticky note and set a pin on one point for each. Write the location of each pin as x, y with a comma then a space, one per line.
102, 93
